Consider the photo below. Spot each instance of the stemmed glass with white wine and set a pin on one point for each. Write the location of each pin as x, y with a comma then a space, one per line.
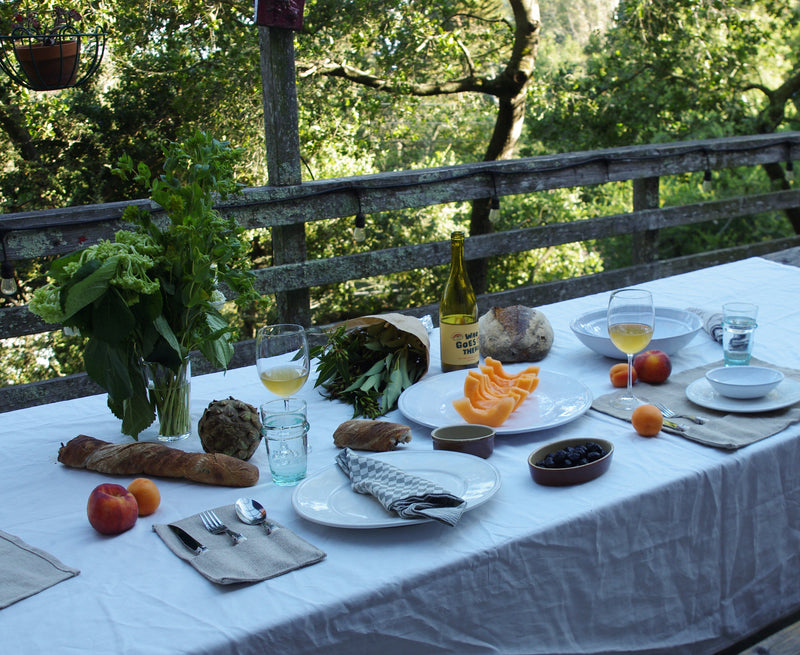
631, 318
282, 358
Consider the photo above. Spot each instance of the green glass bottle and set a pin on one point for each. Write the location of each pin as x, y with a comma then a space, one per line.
458, 314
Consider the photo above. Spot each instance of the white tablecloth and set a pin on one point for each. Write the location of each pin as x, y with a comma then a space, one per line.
678, 548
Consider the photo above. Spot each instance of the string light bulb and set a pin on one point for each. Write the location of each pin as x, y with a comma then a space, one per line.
494, 211
494, 203
8, 285
789, 170
707, 180
359, 229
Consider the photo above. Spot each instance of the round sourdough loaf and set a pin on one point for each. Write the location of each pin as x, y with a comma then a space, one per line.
515, 334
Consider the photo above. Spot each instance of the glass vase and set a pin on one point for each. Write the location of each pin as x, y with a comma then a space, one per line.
169, 391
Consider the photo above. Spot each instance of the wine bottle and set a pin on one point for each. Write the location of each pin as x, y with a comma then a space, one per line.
458, 314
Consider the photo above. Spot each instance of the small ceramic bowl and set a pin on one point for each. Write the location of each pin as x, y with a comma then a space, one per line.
743, 381
471, 439
561, 477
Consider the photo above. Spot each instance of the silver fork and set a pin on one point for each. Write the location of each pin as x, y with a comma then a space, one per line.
215, 526
666, 412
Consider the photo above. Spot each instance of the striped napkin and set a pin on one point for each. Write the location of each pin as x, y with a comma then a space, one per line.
712, 322
409, 496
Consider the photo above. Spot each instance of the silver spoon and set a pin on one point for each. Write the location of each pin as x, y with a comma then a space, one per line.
253, 513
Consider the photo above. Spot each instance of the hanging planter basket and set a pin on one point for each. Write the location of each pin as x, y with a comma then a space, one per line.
48, 62
49, 66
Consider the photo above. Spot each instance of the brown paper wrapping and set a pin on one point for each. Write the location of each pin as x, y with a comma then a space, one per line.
408, 324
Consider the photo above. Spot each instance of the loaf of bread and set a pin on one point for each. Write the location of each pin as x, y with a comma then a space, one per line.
378, 436
515, 334
147, 458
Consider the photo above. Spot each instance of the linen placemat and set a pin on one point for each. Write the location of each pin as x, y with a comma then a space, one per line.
722, 429
399, 491
26, 570
260, 557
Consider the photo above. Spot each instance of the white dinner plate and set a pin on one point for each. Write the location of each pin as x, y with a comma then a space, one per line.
557, 399
700, 392
327, 498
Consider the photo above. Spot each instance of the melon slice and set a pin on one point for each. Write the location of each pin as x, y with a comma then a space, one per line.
493, 416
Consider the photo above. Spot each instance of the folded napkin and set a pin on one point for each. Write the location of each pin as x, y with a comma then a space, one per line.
26, 570
722, 430
408, 495
712, 322
260, 557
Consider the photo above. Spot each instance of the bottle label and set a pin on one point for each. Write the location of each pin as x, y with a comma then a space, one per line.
460, 345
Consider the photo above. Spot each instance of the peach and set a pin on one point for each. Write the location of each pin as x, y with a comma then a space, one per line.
112, 508
653, 366
619, 375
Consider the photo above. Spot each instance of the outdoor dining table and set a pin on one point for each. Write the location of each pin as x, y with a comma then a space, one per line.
678, 548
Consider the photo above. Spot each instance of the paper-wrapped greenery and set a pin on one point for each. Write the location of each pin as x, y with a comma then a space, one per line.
367, 362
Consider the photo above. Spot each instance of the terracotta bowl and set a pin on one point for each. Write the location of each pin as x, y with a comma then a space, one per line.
475, 440
559, 477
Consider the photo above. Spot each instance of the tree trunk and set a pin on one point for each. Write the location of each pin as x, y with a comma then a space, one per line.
507, 128
513, 87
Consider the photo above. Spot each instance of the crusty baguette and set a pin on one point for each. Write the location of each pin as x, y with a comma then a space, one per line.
363, 434
156, 459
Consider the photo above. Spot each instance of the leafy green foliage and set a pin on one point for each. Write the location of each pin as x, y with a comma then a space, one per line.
152, 295
368, 367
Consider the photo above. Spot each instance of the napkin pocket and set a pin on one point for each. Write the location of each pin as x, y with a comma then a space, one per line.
26, 570
259, 557
398, 491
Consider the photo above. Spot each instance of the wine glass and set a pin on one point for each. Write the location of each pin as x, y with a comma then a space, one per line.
631, 319
282, 358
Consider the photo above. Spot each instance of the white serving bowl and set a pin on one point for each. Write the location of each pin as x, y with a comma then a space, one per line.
674, 329
743, 381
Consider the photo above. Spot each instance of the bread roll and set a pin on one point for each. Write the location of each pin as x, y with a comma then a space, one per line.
378, 436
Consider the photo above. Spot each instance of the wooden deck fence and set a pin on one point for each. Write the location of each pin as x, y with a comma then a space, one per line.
286, 209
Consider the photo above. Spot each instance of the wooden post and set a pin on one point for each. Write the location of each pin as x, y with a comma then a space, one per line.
645, 196
283, 157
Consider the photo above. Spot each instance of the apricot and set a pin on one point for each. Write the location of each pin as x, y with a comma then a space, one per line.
653, 366
147, 495
647, 420
619, 375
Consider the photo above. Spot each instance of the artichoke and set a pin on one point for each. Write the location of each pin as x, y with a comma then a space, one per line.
231, 427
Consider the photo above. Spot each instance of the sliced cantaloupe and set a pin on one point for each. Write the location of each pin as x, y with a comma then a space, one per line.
491, 391
494, 368
493, 416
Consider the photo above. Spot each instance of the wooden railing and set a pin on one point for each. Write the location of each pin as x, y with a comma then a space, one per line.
36, 234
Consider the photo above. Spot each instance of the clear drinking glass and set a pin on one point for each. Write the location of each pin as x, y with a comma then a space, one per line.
631, 318
738, 332
282, 358
285, 430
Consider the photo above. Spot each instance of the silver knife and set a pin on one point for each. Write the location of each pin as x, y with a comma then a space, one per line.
187, 540
673, 426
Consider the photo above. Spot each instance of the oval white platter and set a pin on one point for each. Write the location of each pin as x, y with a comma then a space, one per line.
558, 399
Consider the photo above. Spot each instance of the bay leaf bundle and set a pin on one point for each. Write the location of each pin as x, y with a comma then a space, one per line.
369, 361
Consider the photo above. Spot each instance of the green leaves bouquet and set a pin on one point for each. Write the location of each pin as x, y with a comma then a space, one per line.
152, 295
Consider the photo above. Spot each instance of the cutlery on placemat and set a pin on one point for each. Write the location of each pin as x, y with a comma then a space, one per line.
666, 412
188, 540
212, 523
673, 426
